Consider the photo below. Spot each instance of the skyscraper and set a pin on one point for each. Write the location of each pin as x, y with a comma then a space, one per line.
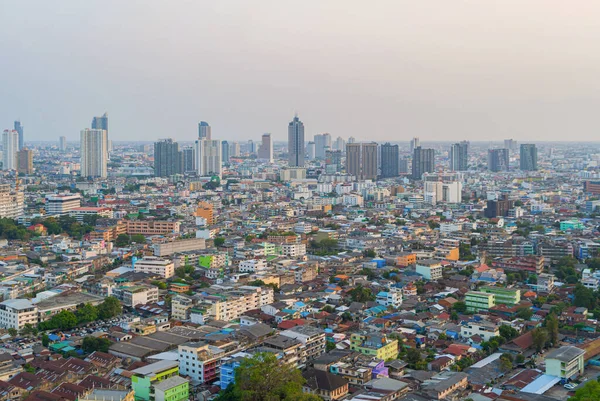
339, 144
311, 152
510, 144
251, 147
102, 123
10, 146
208, 157
265, 150
168, 160
498, 160
322, 144
225, 151
414, 143
423, 162
351, 140
62, 143
333, 161
234, 149
296, 143
528, 160
189, 160
94, 153
204, 130
25, 161
389, 160
459, 156
19, 129
361, 160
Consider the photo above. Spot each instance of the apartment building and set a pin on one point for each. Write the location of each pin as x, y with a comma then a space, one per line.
288, 348
485, 330
253, 266
229, 303
429, 269
152, 227
374, 344
16, 313
153, 265
545, 283
136, 295
312, 339
532, 264
59, 204
179, 246
505, 296
200, 361
293, 250
478, 301
406, 259
566, 362
392, 297
143, 379
307, 272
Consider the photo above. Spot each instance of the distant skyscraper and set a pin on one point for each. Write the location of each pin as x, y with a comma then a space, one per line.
189, 160
62, 143
389, 160
498, 160
168, 160
94, 153
296, 143
333, 161
234, 149
10, 147
414, 143
204, 130
265, 150
320, 145
225, 151
208, 157
510, 144
459, 156
351, 140
339, 144
311, 152
361, 160
403, 166
25, 161
423, 162
102, 123
19, 128
528, 160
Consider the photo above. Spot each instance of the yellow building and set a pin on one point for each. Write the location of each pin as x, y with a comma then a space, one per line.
205, 210
374, 344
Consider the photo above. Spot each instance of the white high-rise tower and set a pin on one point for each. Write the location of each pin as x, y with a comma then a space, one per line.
94, 153
10, 143
208, 157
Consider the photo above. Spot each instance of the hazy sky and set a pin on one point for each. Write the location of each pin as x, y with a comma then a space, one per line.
375, 70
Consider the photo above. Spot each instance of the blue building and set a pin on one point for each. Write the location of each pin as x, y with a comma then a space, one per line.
228, 367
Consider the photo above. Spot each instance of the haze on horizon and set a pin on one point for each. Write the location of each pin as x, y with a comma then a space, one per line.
383, 70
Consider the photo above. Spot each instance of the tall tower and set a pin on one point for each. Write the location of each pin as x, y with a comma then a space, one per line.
62, 143
19, 128
265, 151
94, 153
204, 130
189, 160
25, 161
208, 157
414, 143
10, 144
423, 162
389, 160
353, 159
296, 143
528, 161
168, 160
459, 156
498, 160
102, 123
225, 151
369, 161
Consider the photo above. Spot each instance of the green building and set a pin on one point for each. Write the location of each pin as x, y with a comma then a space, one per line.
571, 225
146, 377
174, 388
505, 296
478, 301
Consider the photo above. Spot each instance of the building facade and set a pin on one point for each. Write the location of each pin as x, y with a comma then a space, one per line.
94, 153
296, 143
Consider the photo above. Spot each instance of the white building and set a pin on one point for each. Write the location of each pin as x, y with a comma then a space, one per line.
16, 313
94, 153
430, 269
253, 266
392, 297
293, 250
58, 204
208, 157
12, 202
153, 265
485, 330
136, 295
352, 200
447, 192
10, 146
199, 360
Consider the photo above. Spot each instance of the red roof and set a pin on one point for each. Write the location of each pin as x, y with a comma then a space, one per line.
288, 324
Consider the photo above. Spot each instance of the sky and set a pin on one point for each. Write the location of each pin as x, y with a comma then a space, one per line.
376, 70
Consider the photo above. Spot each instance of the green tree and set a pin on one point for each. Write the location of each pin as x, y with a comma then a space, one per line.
589, 392
329, 345
219, 241
29, 329
12, 332
460, 307
138, 238
45, 340
110, 308
86, 313
539, 337
519, 359
413, 357
524, 313
160, 284
369, 253
552, 328
506, 362
361, 294
508, 332
91, 344
122, 240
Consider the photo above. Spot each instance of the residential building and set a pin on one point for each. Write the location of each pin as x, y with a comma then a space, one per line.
510, 144
179, 246
152, 227
265, 150
423, 162
25, 161
389, 160
498, 207
312, 339
204, 130
322, 144
361, 160
478, 301
325, 385
442, 188
200, 361
107, 394
484, 329
391, 298
498, 160
10, 147
440, 386
208, 157
505, 296
62, 143
143, 379
288, 349
333, 161
406, 259
168, 159
374, 344
414, 143
225, 152
16, 313
296, 152
12, 202
59, 204
19, 128
429, 269
153, 265
229, 303
132, 296
528, 160
566, 362
94, 153
228, 367
459, 156
189, 159
532, 264
545, 283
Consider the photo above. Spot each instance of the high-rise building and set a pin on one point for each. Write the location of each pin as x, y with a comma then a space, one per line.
442, 187
311, 151
10, 146
62, 144
25, 161
204, 130
528, 160
234, 149
322, 144
351, 140
333, 161
265, 150
19, 128
12, 201
459, 156
296, 143
251, 147
189, 160
414, 143
225, 151
168, 160
403, 166
339, 144
94, 153
361, 160
208, 157
498, 160
510, 144
102, 123
423, 162
389, 160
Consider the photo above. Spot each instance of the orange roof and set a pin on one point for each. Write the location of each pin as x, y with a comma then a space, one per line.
530, 294
482, 267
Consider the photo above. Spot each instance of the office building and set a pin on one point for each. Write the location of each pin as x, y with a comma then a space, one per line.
423, 162
25, 161
339, 144
414, 143
19, 128
234, 149
208, 157
265, 150
12, 202
361, 160
322, 144
333, 161
389, 160
498, 207
189, 160
498, 160
10, 147
168, 159
459, 156
102, 123
311, 152
403, 166
225, 152
353, 159
204, 130
16, 313
62, 143
154, 265
510, 144
528, 160
296, 143
94, 153
59, 204
442, 187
